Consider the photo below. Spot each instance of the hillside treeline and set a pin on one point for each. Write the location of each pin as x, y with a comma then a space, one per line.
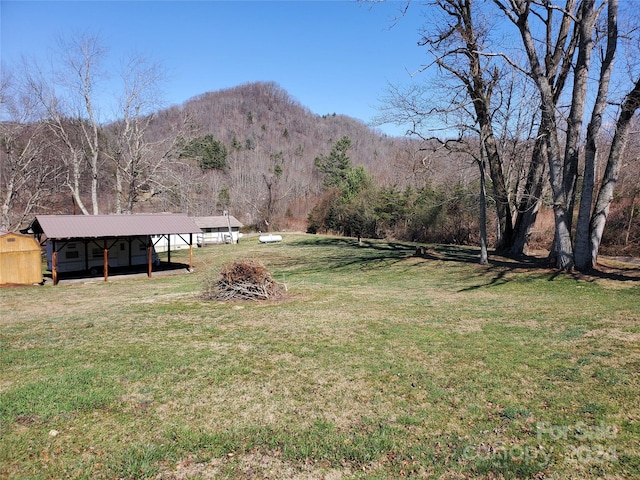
255, 152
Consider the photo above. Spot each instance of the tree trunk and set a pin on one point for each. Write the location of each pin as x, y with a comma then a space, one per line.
91, 137
605, 195
530, 202
575, 120
583, 258
563, 250
94, 185
500, 193
9, 194
118, 185
74, 185
484, 255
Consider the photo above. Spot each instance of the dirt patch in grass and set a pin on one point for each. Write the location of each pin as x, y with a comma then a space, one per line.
167, 297
303, 399
615, 333
464, 325
253, 465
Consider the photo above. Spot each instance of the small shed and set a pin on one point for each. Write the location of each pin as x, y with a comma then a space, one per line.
20, 259
218, 229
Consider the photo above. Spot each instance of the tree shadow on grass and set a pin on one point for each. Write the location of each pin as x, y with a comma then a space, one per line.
370, 254
500, 268
366, 254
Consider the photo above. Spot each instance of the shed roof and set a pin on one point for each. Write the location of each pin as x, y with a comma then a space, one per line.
219, 221
15, 242
97, 226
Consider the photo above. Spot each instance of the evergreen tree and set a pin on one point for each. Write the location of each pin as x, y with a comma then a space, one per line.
336, 165
210, 153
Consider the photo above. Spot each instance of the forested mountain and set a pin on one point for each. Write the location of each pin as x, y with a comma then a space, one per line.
271, 142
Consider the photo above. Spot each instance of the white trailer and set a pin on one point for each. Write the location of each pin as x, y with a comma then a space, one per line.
218, 229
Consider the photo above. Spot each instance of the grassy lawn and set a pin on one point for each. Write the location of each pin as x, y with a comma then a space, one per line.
377, 364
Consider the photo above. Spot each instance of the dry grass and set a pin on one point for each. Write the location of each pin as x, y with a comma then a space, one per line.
378, 365
253, 465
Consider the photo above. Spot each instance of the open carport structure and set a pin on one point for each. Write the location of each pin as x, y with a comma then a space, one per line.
92, 243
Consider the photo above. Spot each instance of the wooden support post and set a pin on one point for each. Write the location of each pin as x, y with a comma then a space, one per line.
190, 251
106, 261
54, 265
168, 248
149, 260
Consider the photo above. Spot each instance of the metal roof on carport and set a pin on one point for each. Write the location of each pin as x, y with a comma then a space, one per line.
100, 226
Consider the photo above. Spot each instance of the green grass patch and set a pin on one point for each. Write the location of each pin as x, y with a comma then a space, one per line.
65, 392
377, 364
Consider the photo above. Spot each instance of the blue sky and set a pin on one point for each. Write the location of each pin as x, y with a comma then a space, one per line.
332, 56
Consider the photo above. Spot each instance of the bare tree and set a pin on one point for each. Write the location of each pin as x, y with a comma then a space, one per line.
25, 175
562, 168
563, 161
456, 48
558, 53
485, 93
558, 42
137, 164
81, 58
585, 256
67, 94
265, 197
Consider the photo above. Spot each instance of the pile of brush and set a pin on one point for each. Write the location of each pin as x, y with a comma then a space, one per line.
243, 280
